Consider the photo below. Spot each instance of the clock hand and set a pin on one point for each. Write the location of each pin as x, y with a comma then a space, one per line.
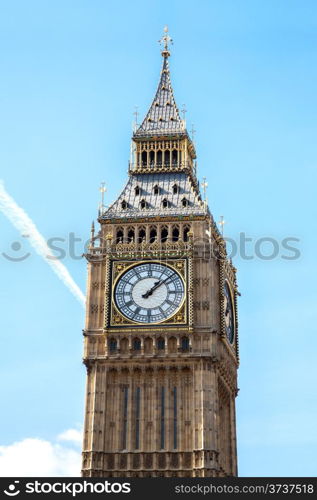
149, 292
156, 285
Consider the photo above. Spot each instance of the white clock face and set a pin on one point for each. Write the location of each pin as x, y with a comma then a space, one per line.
149, 293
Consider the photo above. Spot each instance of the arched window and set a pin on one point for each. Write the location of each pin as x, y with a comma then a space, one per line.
130, 235
112, 345
143, 204
124, 345
136, 344
185, 343
153, 235
159, 157
151, 157
175, 189
167, 158
164, 234
172, 345
137, 191
185, 202
148, 345
175, 233
119, 236
156, 189
124, 205
185, 233
144, 158
174, 157
142, 235
160, 343
165, 203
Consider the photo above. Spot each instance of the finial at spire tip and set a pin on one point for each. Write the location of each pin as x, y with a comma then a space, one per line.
165, 41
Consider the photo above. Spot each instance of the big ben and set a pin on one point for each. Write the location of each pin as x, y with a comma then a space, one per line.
161, 332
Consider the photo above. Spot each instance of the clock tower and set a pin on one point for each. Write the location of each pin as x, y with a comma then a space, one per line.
161, 332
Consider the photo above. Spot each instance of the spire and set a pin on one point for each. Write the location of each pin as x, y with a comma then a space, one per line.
163, 116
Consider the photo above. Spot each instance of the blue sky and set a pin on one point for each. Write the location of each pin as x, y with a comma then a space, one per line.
71, 74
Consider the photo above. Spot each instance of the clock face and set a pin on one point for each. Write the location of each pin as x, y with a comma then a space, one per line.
149, 293
229, 313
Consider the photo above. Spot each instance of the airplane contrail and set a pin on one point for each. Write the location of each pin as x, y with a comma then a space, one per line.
25, 225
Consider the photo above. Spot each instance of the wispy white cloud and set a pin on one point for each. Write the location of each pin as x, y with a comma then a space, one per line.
40, 458
71, 435
20, 219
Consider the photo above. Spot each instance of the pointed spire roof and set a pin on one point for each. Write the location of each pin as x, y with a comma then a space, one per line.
163, 116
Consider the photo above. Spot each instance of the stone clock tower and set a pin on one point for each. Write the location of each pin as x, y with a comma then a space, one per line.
161, 333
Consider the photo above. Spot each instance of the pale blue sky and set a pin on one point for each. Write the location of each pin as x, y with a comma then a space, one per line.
71, 74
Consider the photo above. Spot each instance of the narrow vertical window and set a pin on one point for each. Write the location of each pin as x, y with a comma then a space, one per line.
125, 417
175, 416
137, 418
144, 158
162, 418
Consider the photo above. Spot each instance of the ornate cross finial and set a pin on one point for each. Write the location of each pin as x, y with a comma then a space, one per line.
136, 115
165, 41
204, 185
221, 223
102, 190
193, 132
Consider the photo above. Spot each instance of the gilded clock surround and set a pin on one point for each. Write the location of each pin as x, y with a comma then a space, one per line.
120, 267
160, 398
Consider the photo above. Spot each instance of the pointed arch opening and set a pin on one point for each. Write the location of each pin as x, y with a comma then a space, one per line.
137, 191
148, 345
186, 231
156, 189
160, 343
151, 158
175, 189
172, 345
119, 235
153, 234
143, 204
159, 158
124, 205
185, 202
185, 344
164, 234
142, 235
136, 344
167, 158
113, 345
175, 233
130, 235
124, 345
144, 158
174, 157
165, 203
